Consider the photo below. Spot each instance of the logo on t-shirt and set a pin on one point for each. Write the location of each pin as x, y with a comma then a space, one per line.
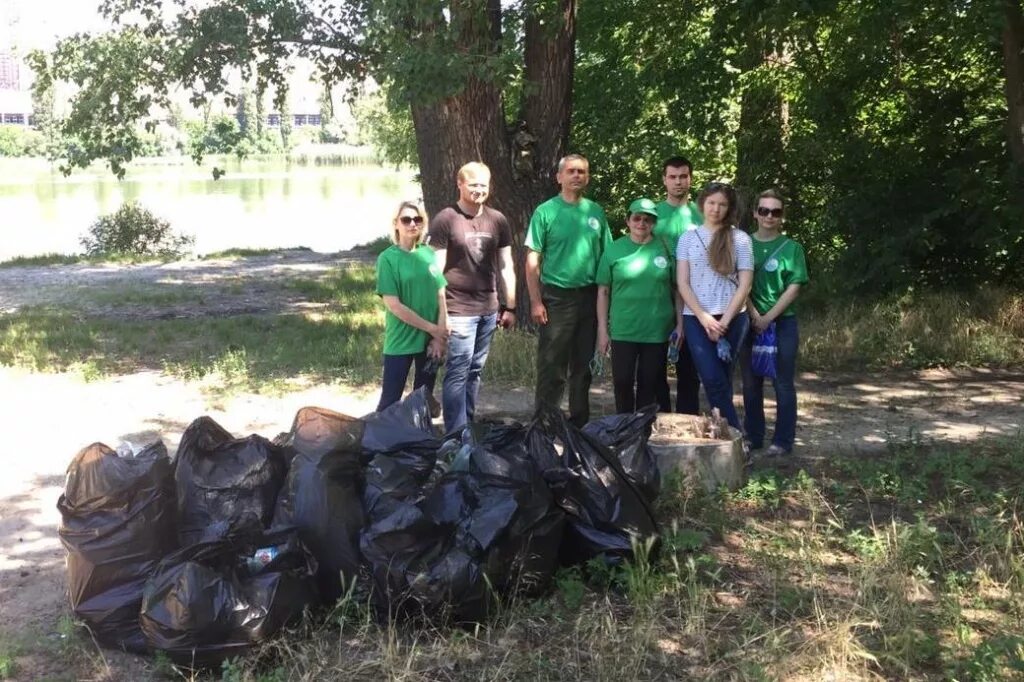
661, 262
594, 223
772, 265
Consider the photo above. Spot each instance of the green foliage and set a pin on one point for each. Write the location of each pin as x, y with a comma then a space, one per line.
998, 658
219, 135
571, 588
134, 231
882, 122
387, 128
376, 247
16, 140
8, 666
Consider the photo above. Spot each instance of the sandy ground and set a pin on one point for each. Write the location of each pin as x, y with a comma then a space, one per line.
46, 418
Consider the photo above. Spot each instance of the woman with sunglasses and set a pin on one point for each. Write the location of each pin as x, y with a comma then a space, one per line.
636, 310
780, 269
714, 270
412, 287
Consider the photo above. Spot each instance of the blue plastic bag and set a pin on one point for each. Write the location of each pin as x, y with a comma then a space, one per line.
762, 358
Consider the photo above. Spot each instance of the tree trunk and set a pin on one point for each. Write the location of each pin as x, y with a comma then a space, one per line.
1013, 64
471, 126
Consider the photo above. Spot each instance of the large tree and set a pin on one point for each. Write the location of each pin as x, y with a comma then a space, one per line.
484, 79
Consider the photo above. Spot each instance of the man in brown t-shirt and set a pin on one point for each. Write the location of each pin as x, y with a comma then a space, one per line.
474, 249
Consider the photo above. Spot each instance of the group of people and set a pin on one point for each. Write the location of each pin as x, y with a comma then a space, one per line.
683, 286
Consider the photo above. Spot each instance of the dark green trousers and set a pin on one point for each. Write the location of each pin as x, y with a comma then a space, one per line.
565, 346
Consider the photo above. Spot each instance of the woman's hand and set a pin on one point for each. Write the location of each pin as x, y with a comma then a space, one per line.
440, 333
679, 332
604, 344
437, 348
760, 322
712, 327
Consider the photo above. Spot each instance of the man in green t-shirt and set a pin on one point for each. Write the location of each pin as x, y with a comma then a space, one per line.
565, 240
677, 214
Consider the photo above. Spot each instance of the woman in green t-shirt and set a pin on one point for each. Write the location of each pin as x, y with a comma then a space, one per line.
780, 270
412, 287
636, 310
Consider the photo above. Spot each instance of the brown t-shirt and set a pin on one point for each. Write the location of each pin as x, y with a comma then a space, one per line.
471, 262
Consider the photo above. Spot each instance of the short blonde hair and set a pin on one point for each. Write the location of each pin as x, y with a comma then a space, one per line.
474, 167
394, 221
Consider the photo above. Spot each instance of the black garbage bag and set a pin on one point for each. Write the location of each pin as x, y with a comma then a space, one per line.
471, 536
225, 485
322, 495
215, 600
626, 436
403, 424
117, 522
401, 448
529, 554
606, 511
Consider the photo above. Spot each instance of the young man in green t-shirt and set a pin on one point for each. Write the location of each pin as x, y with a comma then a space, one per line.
677, 214
565, 240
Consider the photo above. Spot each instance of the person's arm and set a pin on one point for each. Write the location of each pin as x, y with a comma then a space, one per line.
712, 327
755, 316
761, 322
411, 318
603, 341
538, 312
438, 345
441, 258
745, 278
507, 278
677, 307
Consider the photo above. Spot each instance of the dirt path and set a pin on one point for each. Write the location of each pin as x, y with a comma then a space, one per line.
46, 418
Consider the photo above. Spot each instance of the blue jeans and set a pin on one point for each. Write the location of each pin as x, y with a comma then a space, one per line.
396, 372
787, 336
468, 345
715, 374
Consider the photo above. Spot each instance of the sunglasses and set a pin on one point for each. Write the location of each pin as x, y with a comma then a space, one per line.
409, 220
765, 212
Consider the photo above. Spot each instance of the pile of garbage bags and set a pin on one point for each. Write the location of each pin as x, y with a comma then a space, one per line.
209, 554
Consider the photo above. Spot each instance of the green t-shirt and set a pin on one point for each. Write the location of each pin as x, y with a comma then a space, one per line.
412, 276
572, 238
640, 278
673, 221
771, 278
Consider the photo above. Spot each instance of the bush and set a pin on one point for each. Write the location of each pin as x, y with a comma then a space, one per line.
18, 140
134, 231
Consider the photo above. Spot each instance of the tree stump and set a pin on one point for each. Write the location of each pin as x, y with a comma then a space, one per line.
704, 449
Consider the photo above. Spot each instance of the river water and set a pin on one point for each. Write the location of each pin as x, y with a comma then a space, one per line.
326, 204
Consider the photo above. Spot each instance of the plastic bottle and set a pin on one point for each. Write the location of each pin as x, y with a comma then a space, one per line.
673, 348
259, 560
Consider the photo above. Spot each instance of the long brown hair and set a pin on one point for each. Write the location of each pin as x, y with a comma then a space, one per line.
720, 251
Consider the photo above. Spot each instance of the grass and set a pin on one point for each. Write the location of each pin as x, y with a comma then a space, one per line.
75, 258
935, 329
45, 259
248, 253
903, 566
339, 342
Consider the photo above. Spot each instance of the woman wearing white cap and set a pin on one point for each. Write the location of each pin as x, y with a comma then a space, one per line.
636, 310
